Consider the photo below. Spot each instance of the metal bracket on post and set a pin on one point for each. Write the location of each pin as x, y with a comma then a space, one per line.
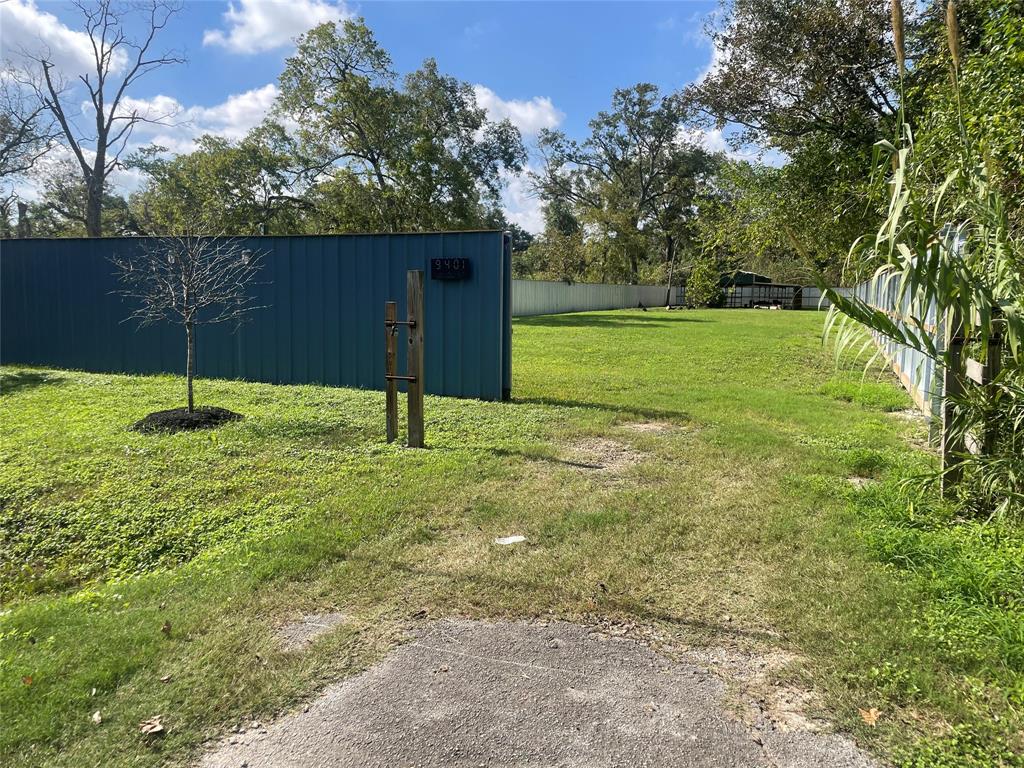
414, 363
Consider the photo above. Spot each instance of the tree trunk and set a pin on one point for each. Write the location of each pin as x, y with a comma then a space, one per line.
24, 225
670, 252
190, 363
94, 209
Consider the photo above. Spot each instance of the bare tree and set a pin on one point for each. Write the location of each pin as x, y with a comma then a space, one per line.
119, 62
26, 126
189, 280
27, 131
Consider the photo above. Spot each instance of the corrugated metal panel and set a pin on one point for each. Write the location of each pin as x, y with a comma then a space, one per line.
550, 297
322, 321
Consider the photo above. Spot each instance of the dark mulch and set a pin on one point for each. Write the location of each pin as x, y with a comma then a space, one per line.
180, 420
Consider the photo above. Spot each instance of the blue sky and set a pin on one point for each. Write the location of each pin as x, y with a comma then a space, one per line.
541, 64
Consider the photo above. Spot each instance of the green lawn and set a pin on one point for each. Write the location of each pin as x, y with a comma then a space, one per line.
739, 527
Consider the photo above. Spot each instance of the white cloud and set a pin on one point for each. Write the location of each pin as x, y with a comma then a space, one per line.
521, 207
262, 25
714, 140
25, 29
528, 116
232, 118
713, 65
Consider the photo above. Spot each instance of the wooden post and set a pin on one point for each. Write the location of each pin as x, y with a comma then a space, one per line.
390, 355
952, 386
983, 375
415, 360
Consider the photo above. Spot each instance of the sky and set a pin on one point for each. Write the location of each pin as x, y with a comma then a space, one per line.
543, 65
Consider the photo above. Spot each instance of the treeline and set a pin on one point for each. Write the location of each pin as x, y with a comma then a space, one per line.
348, 146
814, 85
803, 89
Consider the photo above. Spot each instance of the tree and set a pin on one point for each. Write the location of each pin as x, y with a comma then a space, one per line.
985, 104
521, 239
243, 188
60, 210
703, 286
119, 62
636, 174
26, 133
785, 70
419, 156
818, 81
189, 280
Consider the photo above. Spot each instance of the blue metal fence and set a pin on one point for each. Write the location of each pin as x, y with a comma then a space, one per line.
322, 321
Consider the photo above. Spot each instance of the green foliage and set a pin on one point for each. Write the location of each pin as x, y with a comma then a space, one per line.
786, 83
384, 157
985, 100
635, 184
242, 188
973, 574
61, 209
823, 101
703, 285
949, 252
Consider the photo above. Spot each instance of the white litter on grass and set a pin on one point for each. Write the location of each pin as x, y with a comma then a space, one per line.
510, 540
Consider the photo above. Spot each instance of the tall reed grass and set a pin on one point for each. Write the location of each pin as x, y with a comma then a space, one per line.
948, 250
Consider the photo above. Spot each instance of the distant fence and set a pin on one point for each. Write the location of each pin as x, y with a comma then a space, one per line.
552, 297
916, 371
811, 297
321, 321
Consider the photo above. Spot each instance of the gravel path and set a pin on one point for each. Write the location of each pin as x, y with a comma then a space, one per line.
507, 693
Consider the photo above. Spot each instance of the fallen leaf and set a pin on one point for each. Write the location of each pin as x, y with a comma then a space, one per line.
165, 679
97, 717
27, 680
870, 716
166, 628
152, 727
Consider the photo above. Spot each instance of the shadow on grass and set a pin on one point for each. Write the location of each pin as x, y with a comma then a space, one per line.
20, 381
568, 606
641, 414
591, 320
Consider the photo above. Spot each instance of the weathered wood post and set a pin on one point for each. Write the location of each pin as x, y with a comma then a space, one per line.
414, 284
390, 355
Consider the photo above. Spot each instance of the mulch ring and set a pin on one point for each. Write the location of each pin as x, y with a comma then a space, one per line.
180, 420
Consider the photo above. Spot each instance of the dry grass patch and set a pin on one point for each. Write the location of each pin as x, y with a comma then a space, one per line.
300, 634
651, 427
602, 455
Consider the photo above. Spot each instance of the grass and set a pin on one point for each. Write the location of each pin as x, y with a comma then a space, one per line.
739, 528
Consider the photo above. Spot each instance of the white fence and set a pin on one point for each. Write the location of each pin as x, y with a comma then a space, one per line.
918, 372
811, 296
551, 297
